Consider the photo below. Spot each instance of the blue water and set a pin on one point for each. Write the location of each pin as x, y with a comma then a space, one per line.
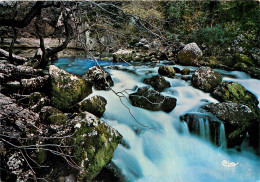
79, 66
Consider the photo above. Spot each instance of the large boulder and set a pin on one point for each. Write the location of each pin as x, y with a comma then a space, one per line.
206, 79
152, 100
235, 92
67, 89
100, 79
123, 55
157, 82
166, 71
95, 105
190, 55
94, 144
238, 120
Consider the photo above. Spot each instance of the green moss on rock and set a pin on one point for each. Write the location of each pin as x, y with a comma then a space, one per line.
166, 71
242, 58
67, 89
95, 105
52, 115
95, 142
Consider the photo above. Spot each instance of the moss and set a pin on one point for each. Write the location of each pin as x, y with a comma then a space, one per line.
186, 58
94, 147
34, 98
210, 61
95, 105
67, 92
242, 58
41, 156
241, 66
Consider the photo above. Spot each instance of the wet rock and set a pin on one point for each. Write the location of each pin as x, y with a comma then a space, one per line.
177, 70
51, 115
123, 55
206, 79
166, 71
67, 89
235, 92
94, 145
254, 72
95, 105
100, 79
152, 100
185, 71
210, 62
238, 119
190, 55
157, 82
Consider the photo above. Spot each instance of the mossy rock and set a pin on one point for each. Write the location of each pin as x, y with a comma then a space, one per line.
95, 105
185, 71
242, 58
51, 115
166, 71
235, 92
227, 60
67, 89
190, 55
210, 61
34, 98
238, 119
241, 66
95, 142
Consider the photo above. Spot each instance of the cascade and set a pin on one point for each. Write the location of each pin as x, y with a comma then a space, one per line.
163, 154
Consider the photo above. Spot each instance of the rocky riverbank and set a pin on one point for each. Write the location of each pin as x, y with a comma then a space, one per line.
46, 131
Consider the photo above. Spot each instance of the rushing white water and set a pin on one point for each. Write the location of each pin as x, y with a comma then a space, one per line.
163, 154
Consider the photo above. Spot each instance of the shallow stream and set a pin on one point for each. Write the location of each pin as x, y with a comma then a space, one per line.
168, 152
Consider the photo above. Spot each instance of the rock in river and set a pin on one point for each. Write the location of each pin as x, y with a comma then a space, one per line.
152, 100
157, 82
100, 79
206, 79
238, 119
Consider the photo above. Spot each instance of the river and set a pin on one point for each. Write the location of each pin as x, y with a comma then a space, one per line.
167, 152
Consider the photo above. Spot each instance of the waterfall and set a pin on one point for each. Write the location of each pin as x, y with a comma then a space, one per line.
222, 137
202, 128
161, 154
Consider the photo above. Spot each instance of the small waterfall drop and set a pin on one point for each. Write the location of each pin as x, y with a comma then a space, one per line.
222, 137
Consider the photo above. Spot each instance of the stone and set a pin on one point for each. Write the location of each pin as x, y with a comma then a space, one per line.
95, 105
235, 92
51, 115
166, 71
100, 79
237, 118
95, 142
190, 55
242, 58
206, 79
157, 82
123, 55
152, 100
185, 71
67, 89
